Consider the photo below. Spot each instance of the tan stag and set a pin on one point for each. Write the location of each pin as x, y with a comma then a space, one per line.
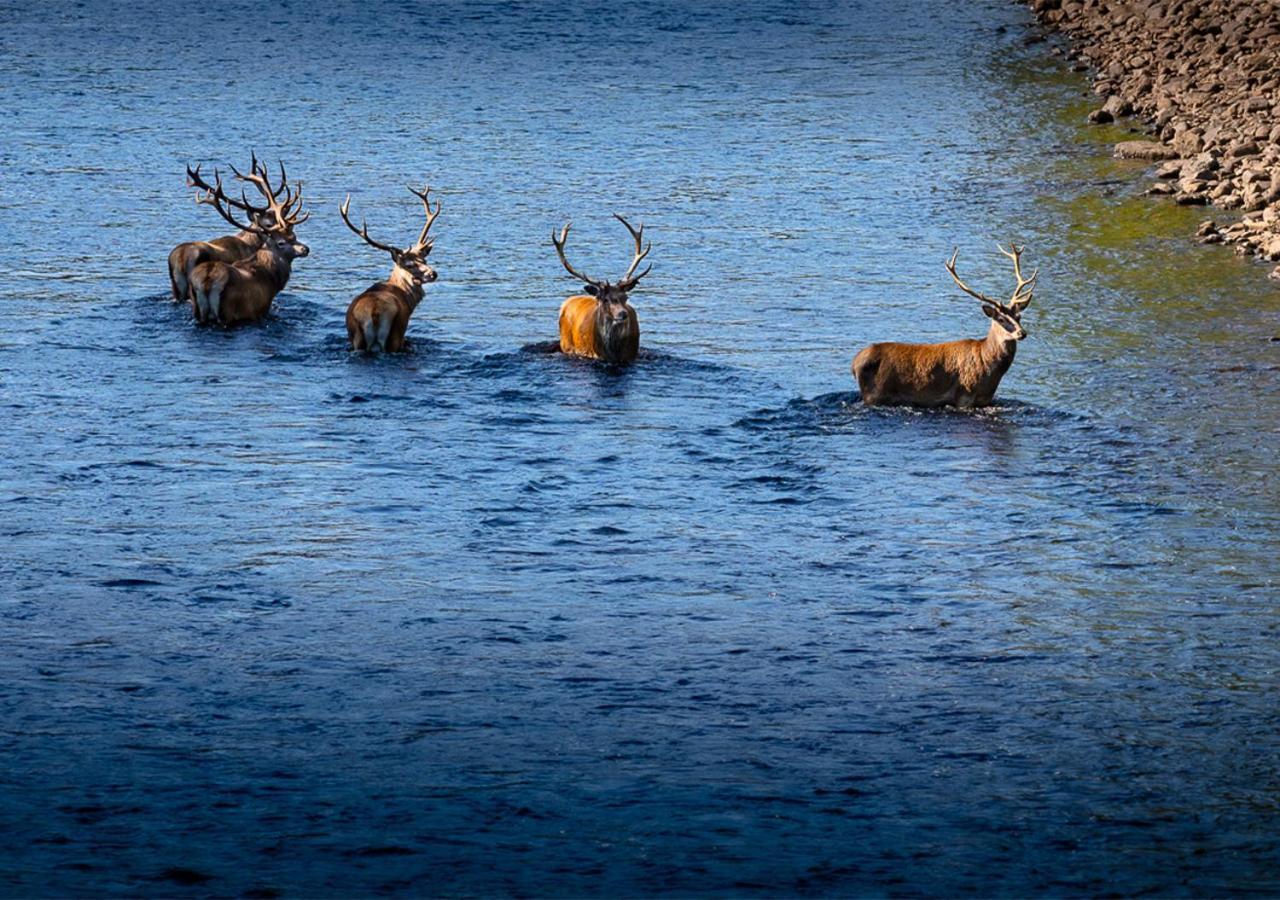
601, 324
377, 318
955, 373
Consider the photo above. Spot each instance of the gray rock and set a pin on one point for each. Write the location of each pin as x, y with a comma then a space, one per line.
1144, 150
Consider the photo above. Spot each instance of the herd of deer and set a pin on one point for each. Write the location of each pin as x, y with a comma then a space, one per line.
234, 279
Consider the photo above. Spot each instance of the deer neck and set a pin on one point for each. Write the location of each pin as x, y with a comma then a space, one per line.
407, 284
274, 266
612, 337
249, 238
998, 348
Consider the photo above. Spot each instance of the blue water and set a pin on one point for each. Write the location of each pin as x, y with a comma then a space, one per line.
280, 620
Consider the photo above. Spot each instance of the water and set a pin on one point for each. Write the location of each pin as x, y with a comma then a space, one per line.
277, 619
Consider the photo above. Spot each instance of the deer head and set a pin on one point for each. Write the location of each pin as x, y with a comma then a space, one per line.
412, 260
1006, 317
274, 223
614, 309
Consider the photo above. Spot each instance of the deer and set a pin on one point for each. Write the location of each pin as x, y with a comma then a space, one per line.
964, 373
601, 324
186, 256
242, 291
378, 317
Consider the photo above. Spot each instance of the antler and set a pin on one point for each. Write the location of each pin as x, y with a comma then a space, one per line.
951, 267
422, 246
1026, 286
195, 180
288, 213
627, 282
213, 196
363, 230
559, 245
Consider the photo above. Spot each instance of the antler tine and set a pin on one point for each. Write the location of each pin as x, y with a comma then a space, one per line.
196, 180
425, 196
638, 236
559, 245
216, 198
295, 216
260, 178
951, 268
1026, 286
363, 230
284, 179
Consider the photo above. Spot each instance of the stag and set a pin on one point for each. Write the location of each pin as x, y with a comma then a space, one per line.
242, 291
377, 319
186, 256
955, 373
601, 324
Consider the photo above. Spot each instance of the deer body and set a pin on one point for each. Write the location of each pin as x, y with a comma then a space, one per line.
377, 318
962, 373
184, 258
589, 328
953, 373
601, 324
227, 293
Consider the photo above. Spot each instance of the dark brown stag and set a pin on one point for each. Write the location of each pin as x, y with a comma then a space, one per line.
233, 247
377, 318
955, 373
242, 291
601, 324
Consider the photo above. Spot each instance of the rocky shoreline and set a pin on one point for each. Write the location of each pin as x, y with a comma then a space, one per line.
1204, 76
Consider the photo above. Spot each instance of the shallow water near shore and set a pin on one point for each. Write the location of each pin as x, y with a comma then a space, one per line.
278, 619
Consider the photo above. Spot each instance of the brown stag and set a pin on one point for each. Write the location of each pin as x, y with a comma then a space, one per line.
377, 319
234, 247
242, 291
601, 324
955, 373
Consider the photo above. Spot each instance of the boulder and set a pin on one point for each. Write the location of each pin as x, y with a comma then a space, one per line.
1144, 150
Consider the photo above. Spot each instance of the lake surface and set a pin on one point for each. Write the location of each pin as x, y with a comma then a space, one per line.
276, 619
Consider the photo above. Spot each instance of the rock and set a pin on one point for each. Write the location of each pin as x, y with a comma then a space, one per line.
1117, 106
1205, 76
1144, 150
1275, 276
1187, 142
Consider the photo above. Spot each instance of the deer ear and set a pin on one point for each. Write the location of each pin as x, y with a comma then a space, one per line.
989, 311
591, 289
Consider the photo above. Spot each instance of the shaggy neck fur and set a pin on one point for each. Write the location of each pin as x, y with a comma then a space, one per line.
613, 336
275, 266
998, 349
412, 287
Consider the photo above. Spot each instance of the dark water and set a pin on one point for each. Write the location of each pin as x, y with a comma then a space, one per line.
479, 620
